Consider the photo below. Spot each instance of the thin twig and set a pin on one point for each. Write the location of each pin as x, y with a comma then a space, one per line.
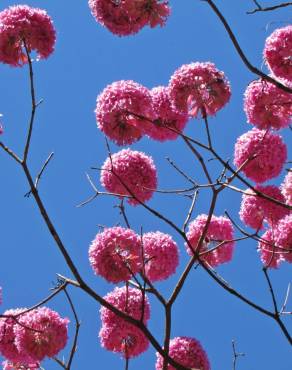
10, 152
268, 8
33, 102
190, 212
235, 355
77, 327
283, 309
40, 173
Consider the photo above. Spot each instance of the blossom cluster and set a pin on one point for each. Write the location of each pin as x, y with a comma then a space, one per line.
23, 29
29, 336
216, 247
117, 254
187, 352
261, 154
126, 110
127, 17
118, 335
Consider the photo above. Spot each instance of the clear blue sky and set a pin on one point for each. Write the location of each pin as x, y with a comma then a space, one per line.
86, 59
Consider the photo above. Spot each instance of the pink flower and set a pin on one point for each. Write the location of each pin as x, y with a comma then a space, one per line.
126, 17
118, 335
283, 236
276, 245
278, 51
286, 187
128, 300
269, 150
161, 255
19, 24
123, 338
167, 117
129, 172
220, 229
187, 352
254, 210
115, 254
122, 110
8, 347
271, 255
199, 88
7, 365
41, 333
267, 106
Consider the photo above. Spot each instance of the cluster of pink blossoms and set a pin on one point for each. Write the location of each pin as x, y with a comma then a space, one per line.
286, 187
254, 210
116, 334
22, 26
187, 352
168, 122
115, 254
123, 110
126, 17
160, 255
130, 173
262, 154
267, 106
276, 243
28, 338
219, 233
199, 88
278, 51
126, 110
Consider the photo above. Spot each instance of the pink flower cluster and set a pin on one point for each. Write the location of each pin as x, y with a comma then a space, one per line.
161, 255
276, 243
7, 365
199, 88
115, 254
126, 110
278, 51
254, 210
187, 352
130, 173
126, 17
116, 334
30, 337
220, 229
22, 25
267, 106
261, 153
286, 187
169, 121
123, 110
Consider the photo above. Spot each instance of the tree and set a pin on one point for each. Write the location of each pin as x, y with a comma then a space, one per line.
261, 290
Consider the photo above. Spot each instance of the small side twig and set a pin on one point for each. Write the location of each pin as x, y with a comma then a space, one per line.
259, 8
235, 355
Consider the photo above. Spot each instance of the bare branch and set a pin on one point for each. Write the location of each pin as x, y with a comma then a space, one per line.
235, 355
268, 8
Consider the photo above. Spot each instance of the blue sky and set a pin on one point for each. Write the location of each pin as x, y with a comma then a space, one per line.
86, 59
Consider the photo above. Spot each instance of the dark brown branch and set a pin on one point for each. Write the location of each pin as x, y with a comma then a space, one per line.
77, 327
268, 8
10, 152
33, 103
